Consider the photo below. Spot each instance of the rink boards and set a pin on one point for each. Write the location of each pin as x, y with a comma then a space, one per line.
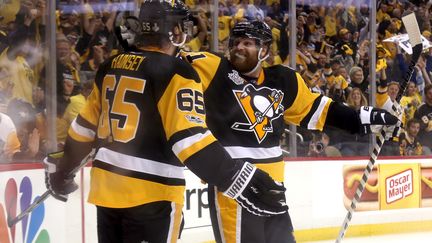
399, 199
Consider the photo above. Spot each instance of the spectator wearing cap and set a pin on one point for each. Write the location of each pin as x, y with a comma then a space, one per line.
346, 46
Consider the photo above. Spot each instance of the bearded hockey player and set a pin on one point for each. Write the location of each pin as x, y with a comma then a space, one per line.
247, 107
146, 118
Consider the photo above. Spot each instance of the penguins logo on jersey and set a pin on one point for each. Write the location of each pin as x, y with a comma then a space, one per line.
260, 106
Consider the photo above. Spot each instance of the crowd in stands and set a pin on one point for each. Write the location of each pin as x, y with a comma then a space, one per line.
332, 56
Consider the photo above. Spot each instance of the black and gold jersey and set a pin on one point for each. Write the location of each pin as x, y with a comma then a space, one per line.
248, 116
146, 115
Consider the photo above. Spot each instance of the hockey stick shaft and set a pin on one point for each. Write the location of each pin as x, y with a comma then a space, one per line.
412, 28
46, 194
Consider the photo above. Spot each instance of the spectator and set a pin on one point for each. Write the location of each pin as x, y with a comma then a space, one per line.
99, 54
256, 11
408, 140
198, 34
319, 146
357, 79
9, 142
23, 116
356, 99
68, 57
410, 101
338, 84
351, 144
424, 114
70, 104
225, 24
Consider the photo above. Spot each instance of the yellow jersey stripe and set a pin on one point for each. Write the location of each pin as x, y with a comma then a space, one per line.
176, 218
92, 108
80, 133
318, 117
296, 113
108, 189
185, 153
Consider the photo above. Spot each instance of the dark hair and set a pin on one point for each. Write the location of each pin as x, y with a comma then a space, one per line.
412, 121
427, 88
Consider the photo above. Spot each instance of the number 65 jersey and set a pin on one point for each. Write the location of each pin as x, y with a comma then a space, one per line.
248, 116
146, 115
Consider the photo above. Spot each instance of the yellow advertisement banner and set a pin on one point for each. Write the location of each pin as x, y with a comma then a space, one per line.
399, 186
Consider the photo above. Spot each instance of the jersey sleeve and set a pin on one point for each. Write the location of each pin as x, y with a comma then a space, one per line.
82, 132
181, 108
308, 109
201, 61
183, 117
8, 134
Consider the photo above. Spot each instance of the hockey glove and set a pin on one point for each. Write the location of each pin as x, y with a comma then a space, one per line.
59, 183
372, 120
257, 192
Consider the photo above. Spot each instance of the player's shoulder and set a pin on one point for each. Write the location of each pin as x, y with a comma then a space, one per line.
280, 72
201, 57
280, 68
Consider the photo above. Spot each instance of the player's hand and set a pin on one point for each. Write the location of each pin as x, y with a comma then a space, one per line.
373, 120
257, 192
59, 183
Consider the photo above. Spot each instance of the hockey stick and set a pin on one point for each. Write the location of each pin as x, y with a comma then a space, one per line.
412, 28
43, 197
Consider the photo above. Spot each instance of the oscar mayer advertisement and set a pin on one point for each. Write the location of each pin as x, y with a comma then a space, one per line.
390, 186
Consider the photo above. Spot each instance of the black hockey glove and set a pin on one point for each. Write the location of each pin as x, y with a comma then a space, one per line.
59, 183
257, 192
372, 120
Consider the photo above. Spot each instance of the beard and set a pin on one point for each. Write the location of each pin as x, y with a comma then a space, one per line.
242, 62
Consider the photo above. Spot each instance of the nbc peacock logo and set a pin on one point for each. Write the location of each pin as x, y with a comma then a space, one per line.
30, 225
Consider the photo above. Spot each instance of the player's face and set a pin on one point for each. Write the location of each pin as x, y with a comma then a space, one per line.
244, 54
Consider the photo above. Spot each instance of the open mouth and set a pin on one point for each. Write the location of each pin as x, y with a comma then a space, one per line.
240, 56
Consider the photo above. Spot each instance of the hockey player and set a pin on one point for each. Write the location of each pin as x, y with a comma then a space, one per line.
146, 118
247, 108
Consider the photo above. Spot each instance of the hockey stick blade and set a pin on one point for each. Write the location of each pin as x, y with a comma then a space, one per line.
412, 28
11, 222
